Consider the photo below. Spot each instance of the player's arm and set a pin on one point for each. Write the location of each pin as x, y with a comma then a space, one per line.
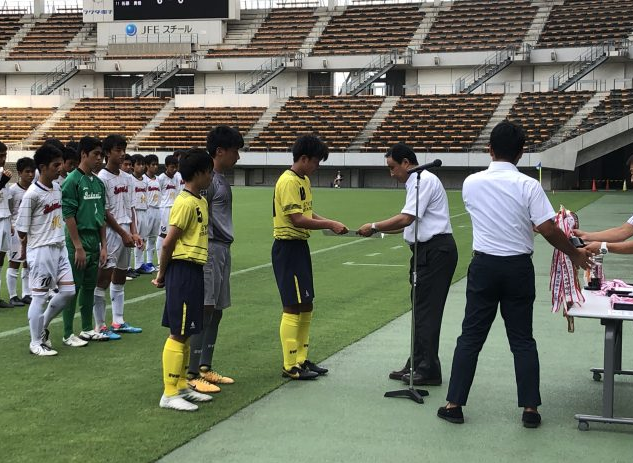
392, 225
581, 257
138, 241
169, 244
80, 252
317, 223
4, 179
103, 252
612, 235
23, 223
128, 241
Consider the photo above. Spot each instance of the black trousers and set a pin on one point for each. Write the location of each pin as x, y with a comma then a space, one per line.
494, 281
437, 259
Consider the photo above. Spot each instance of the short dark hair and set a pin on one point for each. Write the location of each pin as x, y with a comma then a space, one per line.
127, 157
137, 159
3, 147
179, 153
151, 158
87, 144
25, 163
73, 144
507, 140
225, 137
193, 161
399, 152
311, 146
56, 142
629, 161
171, 160
114, 141
70, 154
46, 153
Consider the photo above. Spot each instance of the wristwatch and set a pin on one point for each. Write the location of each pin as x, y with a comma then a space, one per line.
603, 248
374, 228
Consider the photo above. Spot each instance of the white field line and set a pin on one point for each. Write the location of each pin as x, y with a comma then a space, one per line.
373, 254
373, 265
22, 329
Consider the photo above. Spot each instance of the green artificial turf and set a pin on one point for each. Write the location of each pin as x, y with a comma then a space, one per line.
100, 403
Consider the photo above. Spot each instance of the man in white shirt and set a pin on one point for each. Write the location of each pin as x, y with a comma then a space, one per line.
40, 225
169, 189
504, 205
5, 213
153, 208
437, 259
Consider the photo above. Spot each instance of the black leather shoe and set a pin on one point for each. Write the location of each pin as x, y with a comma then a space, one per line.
452, 415
308, 365
531, 419
398, 374
422, 380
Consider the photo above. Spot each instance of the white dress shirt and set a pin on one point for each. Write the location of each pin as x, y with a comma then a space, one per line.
504, 204
433, 216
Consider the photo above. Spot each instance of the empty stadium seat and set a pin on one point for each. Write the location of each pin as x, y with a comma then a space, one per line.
48, 40
337, 120
9, 25
188, 127
480, 25
618, 104
584, 22
440, 123
370, 29
17, 123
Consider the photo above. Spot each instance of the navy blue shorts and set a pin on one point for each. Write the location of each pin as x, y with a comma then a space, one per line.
184, 300
292, 265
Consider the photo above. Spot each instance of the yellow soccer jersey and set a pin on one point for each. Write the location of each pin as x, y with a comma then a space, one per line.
293, 195
190, 213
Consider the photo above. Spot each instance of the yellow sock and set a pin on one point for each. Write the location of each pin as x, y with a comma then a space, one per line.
288, 332
303, 336
173, 359
182, 381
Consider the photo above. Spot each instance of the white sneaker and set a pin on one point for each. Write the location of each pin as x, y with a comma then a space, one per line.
194, 396
176, 402
93, 335
74, 341
42, 351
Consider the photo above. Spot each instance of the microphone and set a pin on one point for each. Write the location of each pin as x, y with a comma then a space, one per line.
415, 170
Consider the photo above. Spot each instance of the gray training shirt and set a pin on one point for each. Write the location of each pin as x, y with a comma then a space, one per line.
220, 199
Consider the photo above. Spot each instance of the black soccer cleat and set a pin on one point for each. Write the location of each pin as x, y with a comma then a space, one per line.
308, 365
299, 373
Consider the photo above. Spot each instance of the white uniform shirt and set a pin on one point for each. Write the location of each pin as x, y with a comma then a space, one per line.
181, 182
169, 189
504, 204
433, 216
17, 193
60, 180
153, 191
40, 216
5, 195
118, 195
139, 192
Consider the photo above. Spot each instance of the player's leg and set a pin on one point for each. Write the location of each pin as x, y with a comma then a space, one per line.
41, 284
184, 300
104, 277
26, 283
15, 259
5, 247
63, 277
117, 293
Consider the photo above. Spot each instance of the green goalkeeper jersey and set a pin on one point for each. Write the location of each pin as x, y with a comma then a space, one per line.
83, 197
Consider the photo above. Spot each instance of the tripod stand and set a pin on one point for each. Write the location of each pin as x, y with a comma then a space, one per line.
411, 393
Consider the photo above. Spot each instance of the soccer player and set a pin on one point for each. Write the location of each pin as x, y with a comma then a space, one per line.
181, 273
169, 189
83, 207
293, 218
139, 192
121, 234
71, 160
127, 165
26, 172
153, 208
5, 213
40, 226
223, 143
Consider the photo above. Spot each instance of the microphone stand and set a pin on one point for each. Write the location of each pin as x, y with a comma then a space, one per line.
411, 393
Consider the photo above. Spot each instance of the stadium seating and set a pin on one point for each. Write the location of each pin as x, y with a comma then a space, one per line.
584, 22
9, 25
478, 25
337, 120
618, 104
441, 123
188, 127
543, 114
48, 40
283, 31
17, 123
370, 29
100, 117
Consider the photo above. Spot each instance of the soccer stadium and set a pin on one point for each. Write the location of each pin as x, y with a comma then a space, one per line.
349, 82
